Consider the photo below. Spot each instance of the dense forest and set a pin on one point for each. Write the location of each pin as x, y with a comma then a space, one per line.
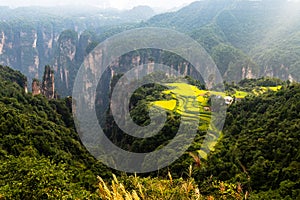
41, 155
257, 157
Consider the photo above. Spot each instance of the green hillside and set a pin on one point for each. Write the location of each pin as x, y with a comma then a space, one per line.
260, 147
255, 35
40, 152
257, 156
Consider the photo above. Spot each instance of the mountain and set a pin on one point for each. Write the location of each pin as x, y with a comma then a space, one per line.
257, 158
260, 147
32, 37
77, 14
40, 152
247, 39
257, 154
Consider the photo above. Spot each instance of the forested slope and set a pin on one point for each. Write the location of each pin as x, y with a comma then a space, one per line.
256, 38
261, 143
257, 157
40, 152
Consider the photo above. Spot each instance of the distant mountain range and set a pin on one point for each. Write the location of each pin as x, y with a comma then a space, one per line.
246, 39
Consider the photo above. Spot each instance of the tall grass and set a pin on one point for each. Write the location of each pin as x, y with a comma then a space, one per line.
138, 188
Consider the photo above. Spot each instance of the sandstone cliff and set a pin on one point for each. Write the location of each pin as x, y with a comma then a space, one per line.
48, 84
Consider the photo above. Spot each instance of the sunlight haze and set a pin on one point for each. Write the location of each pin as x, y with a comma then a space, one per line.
119, 4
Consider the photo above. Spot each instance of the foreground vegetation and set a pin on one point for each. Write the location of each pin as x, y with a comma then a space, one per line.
40, 152
135, 188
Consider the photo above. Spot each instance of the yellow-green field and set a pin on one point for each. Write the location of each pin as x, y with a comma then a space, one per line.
240, 94
187, 99
275, 88
261, 90
169, 105
192, 103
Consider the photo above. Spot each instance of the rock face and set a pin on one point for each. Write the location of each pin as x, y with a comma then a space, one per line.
26, 48
65, 63
36, 88
31, 38
63, 42
48, 85
29, 47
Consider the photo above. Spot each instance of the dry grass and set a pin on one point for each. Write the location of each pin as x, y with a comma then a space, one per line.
149, 189
137, 188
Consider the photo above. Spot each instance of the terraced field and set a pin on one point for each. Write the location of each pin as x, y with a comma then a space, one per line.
240, 94
189, 102
260, 90
192, 103
186, 100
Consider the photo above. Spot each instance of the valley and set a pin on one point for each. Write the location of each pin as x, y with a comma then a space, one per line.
242, 131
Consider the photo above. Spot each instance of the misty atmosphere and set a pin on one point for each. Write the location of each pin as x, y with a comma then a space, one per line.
104, 4
156, 99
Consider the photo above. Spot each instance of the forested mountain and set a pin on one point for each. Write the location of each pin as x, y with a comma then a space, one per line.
254, 44
246, 39
40, 153
261, 145
257, 158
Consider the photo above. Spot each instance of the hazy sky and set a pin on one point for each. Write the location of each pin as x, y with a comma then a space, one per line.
120, 4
